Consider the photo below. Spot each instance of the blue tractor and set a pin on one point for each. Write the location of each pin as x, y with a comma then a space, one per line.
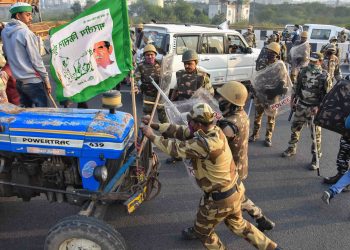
83, 157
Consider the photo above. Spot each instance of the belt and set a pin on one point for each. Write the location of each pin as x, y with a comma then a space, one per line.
217, 196
307, 104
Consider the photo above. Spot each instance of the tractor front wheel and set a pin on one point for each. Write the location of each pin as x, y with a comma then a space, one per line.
83, 233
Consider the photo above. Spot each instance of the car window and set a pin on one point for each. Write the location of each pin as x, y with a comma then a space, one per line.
156, 38
235, 44
213, 45
320, 34
184, 43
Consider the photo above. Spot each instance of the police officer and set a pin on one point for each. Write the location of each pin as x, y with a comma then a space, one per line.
313, 83
343, 160
342, 37
235, 125
332, 41
283, 53
249, 36
214, 169
190, 79
273, 50
301, 57
331, 63
139, 35
150, 67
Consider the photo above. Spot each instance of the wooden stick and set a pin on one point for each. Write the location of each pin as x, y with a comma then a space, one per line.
52, 100
153, 103
134, 113
144, 140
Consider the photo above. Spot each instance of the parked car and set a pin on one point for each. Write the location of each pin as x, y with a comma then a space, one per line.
224, 54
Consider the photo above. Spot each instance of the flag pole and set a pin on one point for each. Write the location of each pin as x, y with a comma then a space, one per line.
134, 113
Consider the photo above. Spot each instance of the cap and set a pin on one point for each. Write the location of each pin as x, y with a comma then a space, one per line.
316, 56
202, 112
20, 7
250, 27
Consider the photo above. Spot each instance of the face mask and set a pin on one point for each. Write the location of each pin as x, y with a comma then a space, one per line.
223, 105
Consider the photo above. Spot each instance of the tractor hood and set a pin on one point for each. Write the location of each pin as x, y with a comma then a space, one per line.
78, 132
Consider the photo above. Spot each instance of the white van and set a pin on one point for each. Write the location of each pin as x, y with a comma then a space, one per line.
212, 45
321, 33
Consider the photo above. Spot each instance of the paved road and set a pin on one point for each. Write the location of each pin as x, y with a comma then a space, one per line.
286, 191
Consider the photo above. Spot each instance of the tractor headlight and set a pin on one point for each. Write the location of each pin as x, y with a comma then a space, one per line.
101, 173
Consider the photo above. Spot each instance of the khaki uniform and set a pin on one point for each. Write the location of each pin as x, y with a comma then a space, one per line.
271, 120
238, 142
284, 53
311, 87
250, 38
259, 111
188, 83
215, 172
149, 92
331, 65
325, 46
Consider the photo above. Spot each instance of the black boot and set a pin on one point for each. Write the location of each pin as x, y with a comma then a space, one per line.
189, 234
332, 179
264, 223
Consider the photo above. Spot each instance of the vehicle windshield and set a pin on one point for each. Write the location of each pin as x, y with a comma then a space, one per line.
320, 34
156, 38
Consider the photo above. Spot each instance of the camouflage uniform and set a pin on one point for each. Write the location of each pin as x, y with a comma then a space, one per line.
149, 92
342, 38
343, 158
299, 61
311, 87
325, 46
188, 83
250, 38
214, 170
284, 53
331, 65
238, 142
259, 111
261, 61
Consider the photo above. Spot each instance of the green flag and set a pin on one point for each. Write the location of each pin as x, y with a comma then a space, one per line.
92, 53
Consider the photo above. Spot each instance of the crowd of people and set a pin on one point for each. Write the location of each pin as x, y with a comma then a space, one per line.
203, 140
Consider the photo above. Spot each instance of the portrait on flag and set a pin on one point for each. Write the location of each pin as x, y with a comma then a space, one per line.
90, 54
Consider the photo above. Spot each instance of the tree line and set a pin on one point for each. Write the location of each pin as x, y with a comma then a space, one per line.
197, 13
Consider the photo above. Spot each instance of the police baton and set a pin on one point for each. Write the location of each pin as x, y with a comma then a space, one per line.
250, 104
313, 129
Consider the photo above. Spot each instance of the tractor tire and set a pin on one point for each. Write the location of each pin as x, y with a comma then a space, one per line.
83, 233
